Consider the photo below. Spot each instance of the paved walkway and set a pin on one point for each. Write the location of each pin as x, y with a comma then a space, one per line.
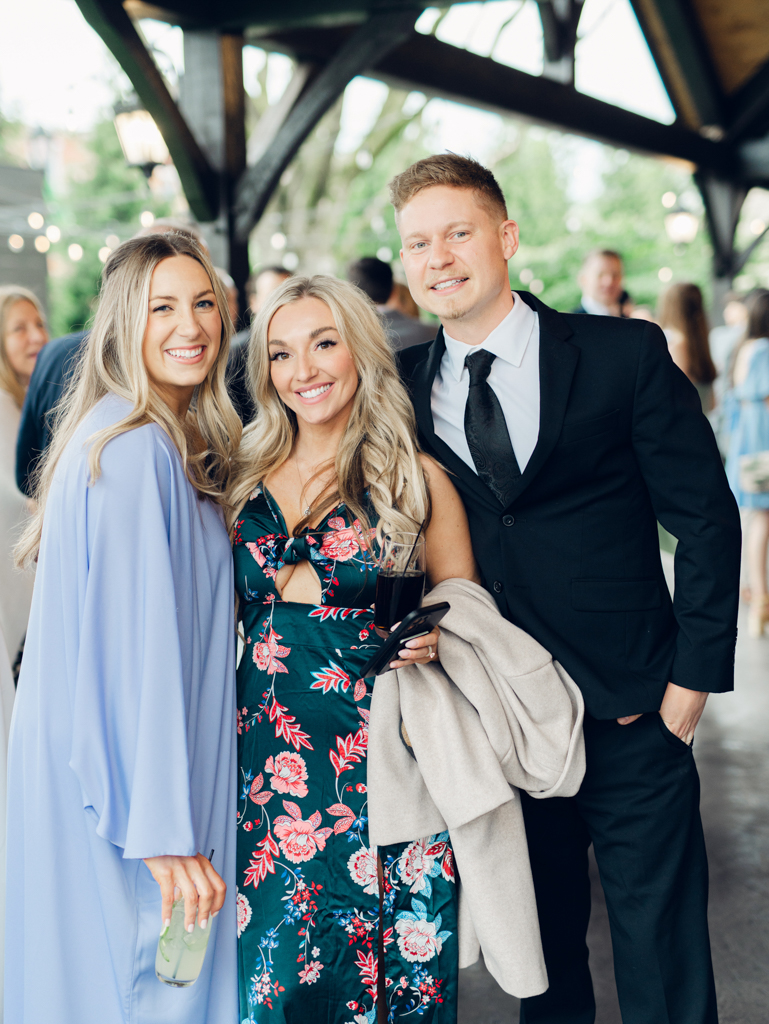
732, 751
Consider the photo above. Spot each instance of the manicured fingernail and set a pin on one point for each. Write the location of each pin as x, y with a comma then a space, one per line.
167, 923
215, 913
203, 923
190, 928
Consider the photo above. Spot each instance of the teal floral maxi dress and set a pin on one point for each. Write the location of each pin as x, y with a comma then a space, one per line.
308, 896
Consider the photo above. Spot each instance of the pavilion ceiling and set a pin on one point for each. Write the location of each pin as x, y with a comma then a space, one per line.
712, 56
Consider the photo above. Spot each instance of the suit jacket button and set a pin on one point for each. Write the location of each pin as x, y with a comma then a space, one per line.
498, 587
508, 520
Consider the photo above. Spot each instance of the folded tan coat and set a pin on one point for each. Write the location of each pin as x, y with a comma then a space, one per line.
496, 715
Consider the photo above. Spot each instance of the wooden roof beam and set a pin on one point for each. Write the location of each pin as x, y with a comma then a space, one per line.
749, 107
438, 69
684, 63
199, 179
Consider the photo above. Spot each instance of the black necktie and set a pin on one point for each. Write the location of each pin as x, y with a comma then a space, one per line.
486, 430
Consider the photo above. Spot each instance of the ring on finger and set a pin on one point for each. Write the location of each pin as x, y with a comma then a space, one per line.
429, 651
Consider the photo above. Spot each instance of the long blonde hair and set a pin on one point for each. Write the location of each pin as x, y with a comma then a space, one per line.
9, 295
378, 452
112, 363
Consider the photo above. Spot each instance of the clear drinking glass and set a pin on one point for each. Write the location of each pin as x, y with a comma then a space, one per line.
400, 580
180, 954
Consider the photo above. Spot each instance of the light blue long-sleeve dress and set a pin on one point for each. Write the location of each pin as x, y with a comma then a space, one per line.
123, 739
748, 413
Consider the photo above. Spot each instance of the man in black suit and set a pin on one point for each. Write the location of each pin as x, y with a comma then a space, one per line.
569, 436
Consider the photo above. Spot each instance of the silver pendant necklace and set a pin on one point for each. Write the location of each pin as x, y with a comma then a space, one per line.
307, 510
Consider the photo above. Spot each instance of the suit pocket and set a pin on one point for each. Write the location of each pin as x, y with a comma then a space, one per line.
580, 430
615, 595
673, 740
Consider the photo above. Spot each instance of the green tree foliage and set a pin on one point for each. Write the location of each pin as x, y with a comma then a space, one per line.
11, 134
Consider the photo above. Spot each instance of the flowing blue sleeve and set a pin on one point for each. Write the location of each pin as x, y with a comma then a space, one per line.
130, 712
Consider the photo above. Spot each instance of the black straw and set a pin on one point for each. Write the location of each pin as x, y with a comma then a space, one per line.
408, 562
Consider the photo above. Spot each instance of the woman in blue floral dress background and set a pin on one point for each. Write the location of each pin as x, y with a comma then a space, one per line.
329, 467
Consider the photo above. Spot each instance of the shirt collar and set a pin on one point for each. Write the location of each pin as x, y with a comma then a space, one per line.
507, 341
596, 308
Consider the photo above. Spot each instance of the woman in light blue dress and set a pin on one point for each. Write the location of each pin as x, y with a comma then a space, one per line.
748, 403
122, 752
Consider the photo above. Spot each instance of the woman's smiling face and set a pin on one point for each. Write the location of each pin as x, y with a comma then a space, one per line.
184, 330
310, 366
25, 335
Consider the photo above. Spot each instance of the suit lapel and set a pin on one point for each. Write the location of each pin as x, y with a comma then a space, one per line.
557, 363
422, 386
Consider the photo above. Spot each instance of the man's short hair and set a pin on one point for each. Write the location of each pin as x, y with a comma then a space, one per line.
454, 171
373, 276
611, 254
254, 277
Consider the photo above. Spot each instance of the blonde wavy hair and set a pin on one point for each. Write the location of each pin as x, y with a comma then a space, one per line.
112, 363
378, 452
9, 295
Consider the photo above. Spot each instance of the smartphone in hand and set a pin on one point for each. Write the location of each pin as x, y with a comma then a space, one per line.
420, 622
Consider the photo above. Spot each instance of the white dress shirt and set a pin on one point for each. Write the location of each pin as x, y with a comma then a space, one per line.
596, 308
514, 379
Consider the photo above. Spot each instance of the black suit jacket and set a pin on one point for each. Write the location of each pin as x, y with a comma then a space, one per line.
574, 558
53, 368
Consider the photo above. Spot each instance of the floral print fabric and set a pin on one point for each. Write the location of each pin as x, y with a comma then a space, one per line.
308, 894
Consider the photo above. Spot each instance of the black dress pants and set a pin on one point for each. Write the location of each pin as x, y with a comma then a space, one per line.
639, 806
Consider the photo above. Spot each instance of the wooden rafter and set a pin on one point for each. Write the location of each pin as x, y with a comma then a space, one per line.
199, 180
358, 51
423, 62
683, 61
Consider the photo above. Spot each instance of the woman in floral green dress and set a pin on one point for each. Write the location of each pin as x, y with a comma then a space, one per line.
329, 467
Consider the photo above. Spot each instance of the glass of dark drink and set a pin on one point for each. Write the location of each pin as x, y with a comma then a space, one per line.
400, 580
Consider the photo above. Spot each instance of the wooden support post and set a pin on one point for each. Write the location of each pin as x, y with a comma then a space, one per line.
234, 98
560, 20
723, 200
212, 97
198, 178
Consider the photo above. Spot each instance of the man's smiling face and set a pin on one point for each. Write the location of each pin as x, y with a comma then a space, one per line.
455, 251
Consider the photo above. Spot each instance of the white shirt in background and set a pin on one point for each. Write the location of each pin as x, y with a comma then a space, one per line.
596, 308
514, 379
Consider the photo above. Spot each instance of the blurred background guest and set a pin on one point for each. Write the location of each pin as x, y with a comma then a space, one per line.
626, 304
725, 338
682, 318
264, 282
23, 334
601, 280
258, 287
400, 315
748, 403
